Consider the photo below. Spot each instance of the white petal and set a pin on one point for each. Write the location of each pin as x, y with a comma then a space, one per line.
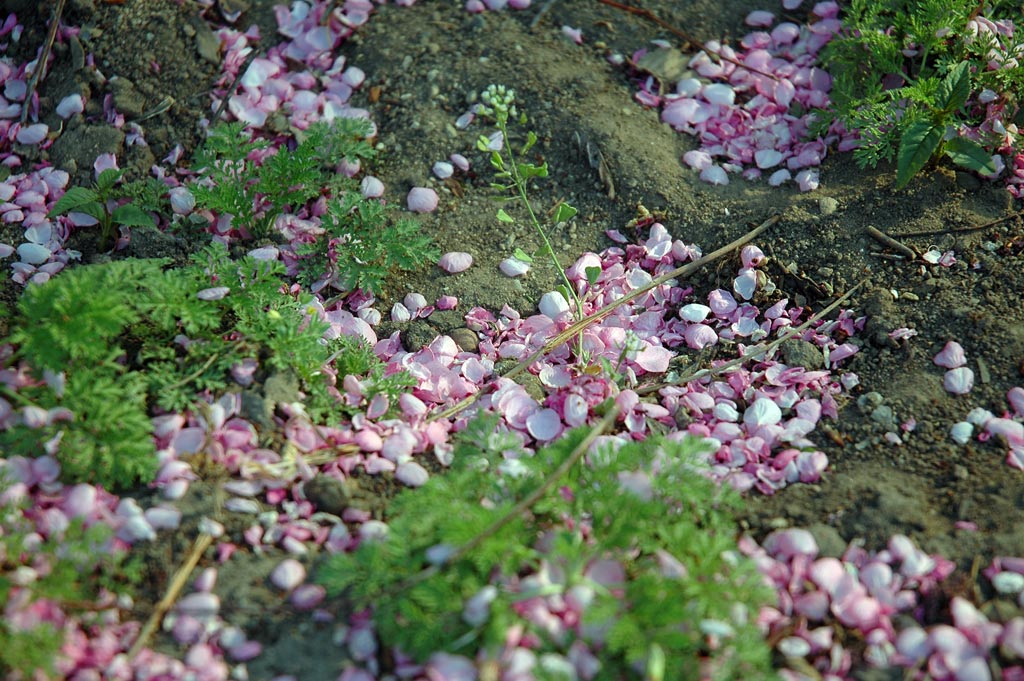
958, 381
70, 105
514, 267
455, 262
553, 304
33, 254
951, 356
961, 432
763, 412
714, 174
694, 312
411, 474
766, 158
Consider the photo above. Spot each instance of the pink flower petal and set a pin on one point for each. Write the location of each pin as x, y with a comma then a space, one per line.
422, 200
952, 356
544, 425
958, 381
455, 261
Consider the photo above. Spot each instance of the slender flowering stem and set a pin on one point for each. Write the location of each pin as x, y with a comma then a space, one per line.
520, 183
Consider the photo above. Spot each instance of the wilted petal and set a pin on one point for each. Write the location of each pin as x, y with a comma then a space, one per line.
958, 381
213, 293
952, 356
455, 261
422, 200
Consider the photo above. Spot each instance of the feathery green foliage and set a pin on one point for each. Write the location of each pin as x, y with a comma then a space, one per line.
361, 245
246, 178
906, 76
644, 506
129, 336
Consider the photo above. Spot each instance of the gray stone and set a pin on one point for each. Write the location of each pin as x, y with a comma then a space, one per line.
801, 353
830, 542
78, 148
465, 339
827, 205
127, 99
327, 494
207, 43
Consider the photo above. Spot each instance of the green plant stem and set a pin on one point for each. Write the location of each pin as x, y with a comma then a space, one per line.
522, 506
18, 397
521, 189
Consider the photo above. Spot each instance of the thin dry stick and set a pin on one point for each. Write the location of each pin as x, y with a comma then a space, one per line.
202, 543
754, 351
577, 327
965, 230
522, 506
886, 240
44, 56
234, 86
648, 14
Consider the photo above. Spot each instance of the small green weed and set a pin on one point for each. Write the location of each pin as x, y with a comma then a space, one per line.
514, 176
101, 202
644, 507
129, 336
908, 75
245, 178
361, 245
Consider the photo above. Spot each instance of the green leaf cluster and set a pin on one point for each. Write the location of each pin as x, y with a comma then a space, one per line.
910, 108
79, 562
361, 245
442, 548
244, 177
101, 202
132, 336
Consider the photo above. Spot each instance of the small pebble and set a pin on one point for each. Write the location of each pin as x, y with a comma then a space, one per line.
827, 205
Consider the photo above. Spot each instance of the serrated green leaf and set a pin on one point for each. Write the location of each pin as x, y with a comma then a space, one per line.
917, 145
107, 179
73, 200
94, 209
131, 215
970, 155
955, 88
565, 212
503, 216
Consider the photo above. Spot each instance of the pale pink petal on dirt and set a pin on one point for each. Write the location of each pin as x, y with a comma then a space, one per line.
952, 356
422, 200
455, 262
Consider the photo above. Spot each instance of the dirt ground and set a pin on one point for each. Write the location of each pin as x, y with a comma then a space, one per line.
427, 62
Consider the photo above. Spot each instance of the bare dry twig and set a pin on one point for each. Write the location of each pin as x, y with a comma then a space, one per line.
648, 14
754, 351
44, 56
577, 327
202, 543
